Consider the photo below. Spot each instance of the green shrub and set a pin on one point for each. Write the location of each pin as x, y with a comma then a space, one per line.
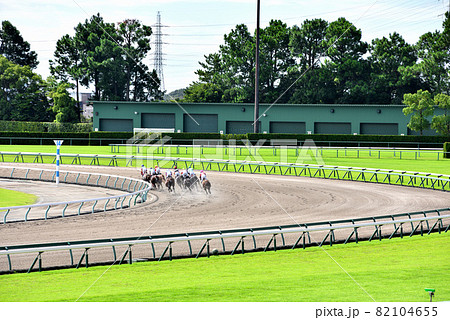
110, 135
189, 137
43, 138
447, 150
69, 127
102, 138
21, 126
347, 140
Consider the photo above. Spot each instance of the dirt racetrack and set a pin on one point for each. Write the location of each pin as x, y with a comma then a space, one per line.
237, 201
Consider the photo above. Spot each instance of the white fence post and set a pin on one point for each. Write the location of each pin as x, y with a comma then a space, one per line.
58, 146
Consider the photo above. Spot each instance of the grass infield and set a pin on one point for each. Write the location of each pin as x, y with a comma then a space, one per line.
390, 270
423, 161
9, 198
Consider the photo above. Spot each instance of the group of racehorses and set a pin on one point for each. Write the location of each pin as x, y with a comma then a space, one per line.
187, 183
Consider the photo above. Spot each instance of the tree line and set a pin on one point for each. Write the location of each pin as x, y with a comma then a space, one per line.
107, 56
316, 62
322, 62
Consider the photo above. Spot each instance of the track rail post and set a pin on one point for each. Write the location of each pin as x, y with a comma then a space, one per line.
38, 258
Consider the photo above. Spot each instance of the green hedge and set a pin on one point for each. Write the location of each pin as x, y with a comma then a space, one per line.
355, 140
189, 137
176, 137
20, 126
447, 150
193, 135
104, 138
43, 138
72, 138
110, 135
69, 127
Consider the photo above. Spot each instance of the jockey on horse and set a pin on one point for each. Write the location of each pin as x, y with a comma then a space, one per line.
170, 181
202, 176
143, 172
205, 182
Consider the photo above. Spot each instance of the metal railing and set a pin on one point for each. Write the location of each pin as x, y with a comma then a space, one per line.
384, 176
174, 141
136, 192
291, 236
68, 141
294, 142
275, 150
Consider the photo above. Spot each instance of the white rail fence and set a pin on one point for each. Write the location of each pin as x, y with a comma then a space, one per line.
400, 177
136, 191
294, 236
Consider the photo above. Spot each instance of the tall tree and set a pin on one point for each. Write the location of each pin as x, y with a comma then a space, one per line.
110, 68
135, 42
345, 53
15, 48
420, 106
93, 38
307, 42
63, 105
387, 56
213, 69
228, 75
67, 64
275, 60
432, 70
238, 58
22, 94
441, 123
110, 58
203, 92
146, 85
314, 86
313, 83
343, 41
231, 71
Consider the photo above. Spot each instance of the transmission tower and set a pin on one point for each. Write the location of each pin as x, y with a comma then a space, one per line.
158, 64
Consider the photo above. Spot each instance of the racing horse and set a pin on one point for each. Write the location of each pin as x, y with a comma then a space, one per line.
191, 182
206, 186
170, 184
180, 181
155, 180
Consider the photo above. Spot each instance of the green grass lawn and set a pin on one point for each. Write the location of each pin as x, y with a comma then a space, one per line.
389, 270
380, 159
9, 198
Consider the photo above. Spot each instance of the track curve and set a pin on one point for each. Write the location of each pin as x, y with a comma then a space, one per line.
238, 201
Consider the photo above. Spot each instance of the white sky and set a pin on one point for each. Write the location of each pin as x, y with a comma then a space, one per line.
195, 28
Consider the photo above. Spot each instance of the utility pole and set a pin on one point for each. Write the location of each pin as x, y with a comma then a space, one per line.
256, 121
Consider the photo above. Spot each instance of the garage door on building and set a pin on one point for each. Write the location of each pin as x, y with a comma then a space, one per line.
158, 120
332, 127
202, 123
116, 125
287, 127
379, 128
240, 127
